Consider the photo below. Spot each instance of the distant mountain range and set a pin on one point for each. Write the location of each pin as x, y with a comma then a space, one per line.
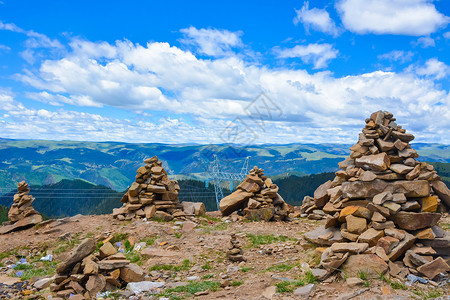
114, 164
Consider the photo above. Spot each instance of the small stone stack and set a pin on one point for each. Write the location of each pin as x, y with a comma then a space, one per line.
23, 204
88, 273
257, 197
380, 203
153, 194
235, 253
21, 214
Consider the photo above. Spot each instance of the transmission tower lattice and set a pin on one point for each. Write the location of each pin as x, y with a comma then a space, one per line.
218, 177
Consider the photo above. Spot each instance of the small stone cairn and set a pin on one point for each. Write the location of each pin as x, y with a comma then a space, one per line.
257, 198
383, 208
235, 253
151, 195
87, 273
21, 214
23, 204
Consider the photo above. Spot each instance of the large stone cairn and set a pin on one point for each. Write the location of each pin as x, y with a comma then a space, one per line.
381, 202
22, 207
257, 197
87, 273
153, 194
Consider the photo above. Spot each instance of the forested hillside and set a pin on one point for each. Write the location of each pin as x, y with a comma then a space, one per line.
114, 165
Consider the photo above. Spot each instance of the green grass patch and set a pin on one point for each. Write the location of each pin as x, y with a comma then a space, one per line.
207, 276
237, 283
186, 265
117, 237
149, 241
48, 268
428, 294
310, 278
246, 269
178, 234
261, 239
206, 266
212, 219
395, 284
445, 226
188, 291
281, 267
289, 286
23, 267
134, 257
217, 227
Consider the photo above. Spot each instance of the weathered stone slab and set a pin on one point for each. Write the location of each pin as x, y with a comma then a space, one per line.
233, 202
315, 236
414, 221
370, 264
442, 191
21, 224
360, 189
376, 162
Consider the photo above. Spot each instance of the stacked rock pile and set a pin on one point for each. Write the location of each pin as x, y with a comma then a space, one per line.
21, 214
86, 273
235, 252
153, 194
257, 197
383, 205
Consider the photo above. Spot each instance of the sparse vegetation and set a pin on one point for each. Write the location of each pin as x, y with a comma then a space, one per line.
257, 240
430, 294
246, 269
150, 240
186, 265
281, 267
217, 227
188, 291
31, 270
289, 286
237, 283
395, 284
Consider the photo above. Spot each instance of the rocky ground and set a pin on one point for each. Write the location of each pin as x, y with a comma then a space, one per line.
188, 259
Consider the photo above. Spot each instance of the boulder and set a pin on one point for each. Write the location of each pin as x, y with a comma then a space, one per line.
86, 247
376, 162
132, 273
235, 201
429, 204
259, 214
370, 264
371, 236
106, 250
22, 224
414, 221
349, 247
433, 268
402, 246
401, 168
317, 236
95, 284
442, 191
360, 189
194, 208
355, 224
321, 195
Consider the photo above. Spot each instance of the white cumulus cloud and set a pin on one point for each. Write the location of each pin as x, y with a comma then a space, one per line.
319, 55
315, 18
425, 42
397, 55
434, 68
211, 41
401, 17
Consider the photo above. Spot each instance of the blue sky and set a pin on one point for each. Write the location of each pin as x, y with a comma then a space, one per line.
216, 72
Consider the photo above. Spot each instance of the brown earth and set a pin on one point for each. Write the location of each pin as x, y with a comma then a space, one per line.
286, 256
